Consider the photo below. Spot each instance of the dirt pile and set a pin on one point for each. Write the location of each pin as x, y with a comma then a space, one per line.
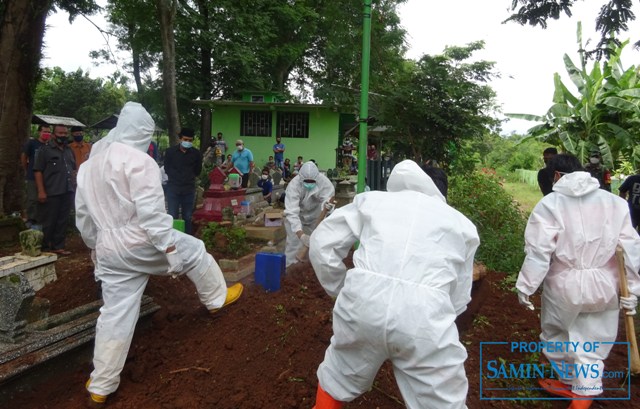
262, 352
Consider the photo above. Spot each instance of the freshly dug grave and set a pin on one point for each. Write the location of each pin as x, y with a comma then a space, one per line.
262, 352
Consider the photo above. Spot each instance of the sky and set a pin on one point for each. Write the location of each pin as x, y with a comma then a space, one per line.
526, 57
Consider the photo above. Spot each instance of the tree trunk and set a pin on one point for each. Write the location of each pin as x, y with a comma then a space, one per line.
135, 54
167, 14
21, 31
205, 73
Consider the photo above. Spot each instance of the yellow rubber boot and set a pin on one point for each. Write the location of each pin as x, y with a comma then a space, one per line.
326, 401
94, 396
233, 293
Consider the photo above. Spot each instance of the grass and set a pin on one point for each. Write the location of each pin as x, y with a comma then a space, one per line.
526, 195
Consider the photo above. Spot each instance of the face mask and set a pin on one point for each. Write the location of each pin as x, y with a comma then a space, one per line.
265, 177
240, 147
594, 161
309, 186
186, 144
78, 138
45, 136
62, 140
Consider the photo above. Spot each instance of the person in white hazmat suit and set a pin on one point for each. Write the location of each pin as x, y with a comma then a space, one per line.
412, 277
570, 243
121, 216
304, 199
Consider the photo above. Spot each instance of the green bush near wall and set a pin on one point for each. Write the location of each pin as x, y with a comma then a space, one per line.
500, 223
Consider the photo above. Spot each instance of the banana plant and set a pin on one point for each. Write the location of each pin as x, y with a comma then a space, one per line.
603, 115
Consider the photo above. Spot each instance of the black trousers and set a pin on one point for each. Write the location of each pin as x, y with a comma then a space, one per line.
245, 180
54, 216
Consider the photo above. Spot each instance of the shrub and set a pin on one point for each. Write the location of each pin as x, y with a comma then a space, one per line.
231, 241
500, 223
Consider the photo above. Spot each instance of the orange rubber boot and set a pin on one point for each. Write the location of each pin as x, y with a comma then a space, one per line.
555, 387
581, 404
326, 401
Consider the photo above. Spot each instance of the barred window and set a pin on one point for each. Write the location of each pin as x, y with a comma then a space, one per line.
293, 125
255, 123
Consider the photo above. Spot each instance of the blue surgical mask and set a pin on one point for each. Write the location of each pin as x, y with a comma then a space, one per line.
186, 144
309, 186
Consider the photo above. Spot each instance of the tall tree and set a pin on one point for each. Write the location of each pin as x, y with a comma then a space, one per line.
612, 19
440, 101
75, 94
167, 14
22, 25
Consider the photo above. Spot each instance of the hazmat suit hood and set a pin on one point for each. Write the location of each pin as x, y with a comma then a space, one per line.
309, 171
134, 128
576, 184
407, 175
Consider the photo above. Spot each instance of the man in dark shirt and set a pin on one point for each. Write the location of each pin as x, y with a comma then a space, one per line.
182, 164
631, 185
27, 159
545, 177
598, 171
54, 170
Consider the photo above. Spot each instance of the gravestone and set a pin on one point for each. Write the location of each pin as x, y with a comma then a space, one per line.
277, 177
31, 242
253, 179
16, 296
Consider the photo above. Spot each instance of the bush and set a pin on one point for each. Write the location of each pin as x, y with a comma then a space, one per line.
230, 241
500, 223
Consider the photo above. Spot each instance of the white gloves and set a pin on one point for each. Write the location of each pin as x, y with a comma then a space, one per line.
629, 303
304, 238
175, 263
524, 300
329, 206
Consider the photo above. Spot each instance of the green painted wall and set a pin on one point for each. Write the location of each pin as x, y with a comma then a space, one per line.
321, 144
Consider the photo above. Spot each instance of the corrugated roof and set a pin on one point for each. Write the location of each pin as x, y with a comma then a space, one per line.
40, 119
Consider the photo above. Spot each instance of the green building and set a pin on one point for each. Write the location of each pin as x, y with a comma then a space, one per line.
308, 130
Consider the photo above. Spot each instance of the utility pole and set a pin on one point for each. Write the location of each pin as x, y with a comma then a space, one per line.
364, 95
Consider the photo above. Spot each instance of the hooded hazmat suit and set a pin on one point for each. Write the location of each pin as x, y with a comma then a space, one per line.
570, 244
412, 276
120, 213
303, 206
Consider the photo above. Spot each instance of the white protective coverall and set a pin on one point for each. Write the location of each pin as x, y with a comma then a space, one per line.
303, 206
570, 244
120, 213
412, 277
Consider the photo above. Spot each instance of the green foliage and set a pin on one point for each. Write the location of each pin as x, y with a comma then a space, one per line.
612, 18
76, 95
440, 101
229, 240
500, 223
603, 115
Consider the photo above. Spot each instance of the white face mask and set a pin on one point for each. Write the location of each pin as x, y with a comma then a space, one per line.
240, 147
594, 161
265, 177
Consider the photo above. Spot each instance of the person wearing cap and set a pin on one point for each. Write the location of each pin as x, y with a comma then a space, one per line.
121, 216
242, 160
80, 148
305, 197
183, 164
598, 171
